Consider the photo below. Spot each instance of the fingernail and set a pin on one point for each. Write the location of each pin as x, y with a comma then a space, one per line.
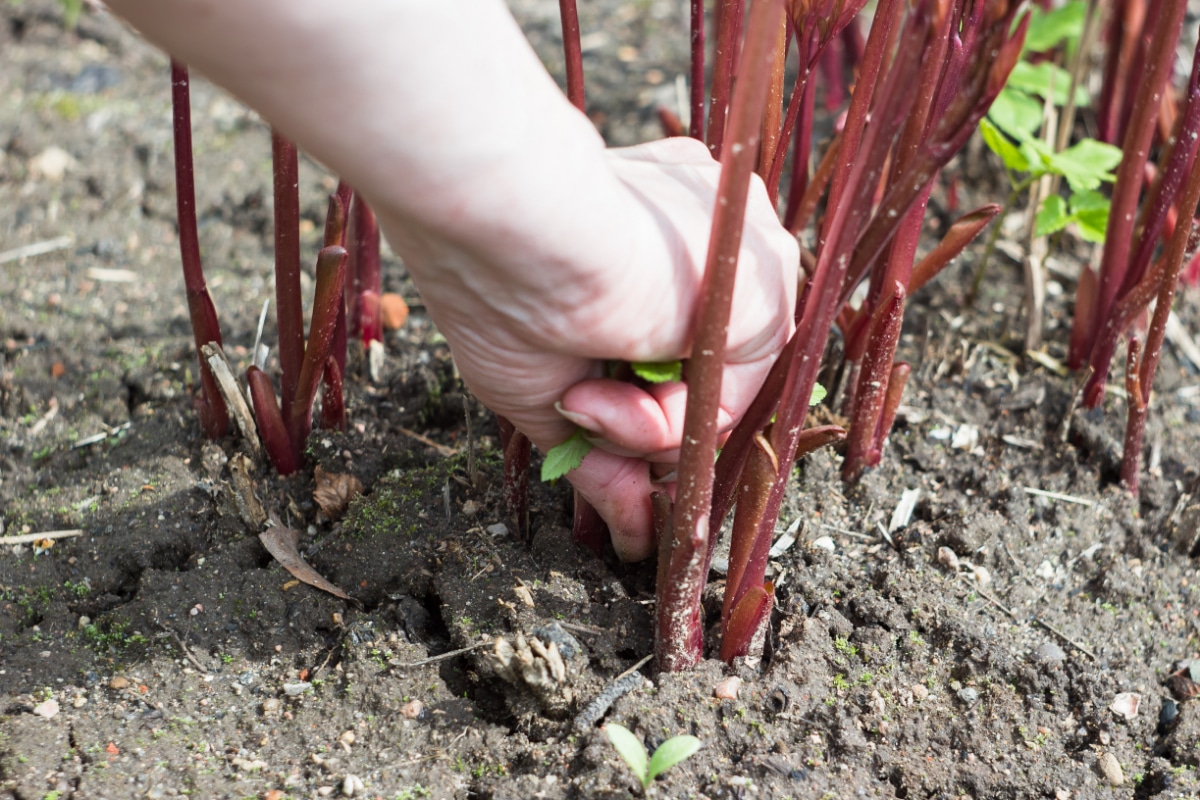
582, 420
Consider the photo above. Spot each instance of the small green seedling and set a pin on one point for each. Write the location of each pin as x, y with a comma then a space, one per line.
658, 372
564, 457
647, 768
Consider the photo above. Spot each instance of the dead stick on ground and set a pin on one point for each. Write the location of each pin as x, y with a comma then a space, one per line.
442, 657
28, 538
988, 597
183, 648
635, 667
1065, 638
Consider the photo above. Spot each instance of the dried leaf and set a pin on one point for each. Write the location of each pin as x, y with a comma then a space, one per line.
334, 491
281, 544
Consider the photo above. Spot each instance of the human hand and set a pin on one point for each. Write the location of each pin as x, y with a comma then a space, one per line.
523, 351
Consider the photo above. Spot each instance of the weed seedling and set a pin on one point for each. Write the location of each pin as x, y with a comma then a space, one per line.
647, 768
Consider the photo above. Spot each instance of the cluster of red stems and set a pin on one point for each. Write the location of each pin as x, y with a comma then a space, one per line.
1137, 110
345, 303
925, 75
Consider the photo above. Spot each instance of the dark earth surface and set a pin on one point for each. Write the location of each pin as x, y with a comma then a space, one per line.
976, 651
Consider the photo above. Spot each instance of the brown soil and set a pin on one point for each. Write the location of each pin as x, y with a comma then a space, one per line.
184, 660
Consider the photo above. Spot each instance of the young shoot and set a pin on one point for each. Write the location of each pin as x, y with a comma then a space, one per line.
646, 768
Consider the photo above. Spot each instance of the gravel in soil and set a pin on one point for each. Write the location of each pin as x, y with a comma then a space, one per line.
1015, 638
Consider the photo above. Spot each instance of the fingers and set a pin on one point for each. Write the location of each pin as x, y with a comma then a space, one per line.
629, 419
626, 419
619, 489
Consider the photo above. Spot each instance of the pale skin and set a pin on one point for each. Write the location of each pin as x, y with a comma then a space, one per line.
538, 252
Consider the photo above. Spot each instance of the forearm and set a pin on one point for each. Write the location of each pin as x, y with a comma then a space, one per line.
437, 110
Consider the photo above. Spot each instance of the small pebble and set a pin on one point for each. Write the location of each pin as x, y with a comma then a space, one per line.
270, 706
1126, 705
79, 702
324, 791
470, 508
947, 558
1167, 714
824, 543
968, 695
728, 688
84, 621
118, 683
497, 530
393, 311
1110, 768
47, 708
412, 709
351, 785
981, 575
347, 738
1048, 654
296, 689
919, 691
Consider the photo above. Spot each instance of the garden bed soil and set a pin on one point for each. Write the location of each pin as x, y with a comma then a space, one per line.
976, 651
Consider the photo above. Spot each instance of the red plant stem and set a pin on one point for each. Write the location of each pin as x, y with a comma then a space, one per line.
799, 102
271, 427
516, 448
1124, 24
873, 377
962, 232
587, 527
516, 482
1136, 146
887, 17
797, 219
729, 27
333, 400
746, 622
669, 123
891, 403
335, 234
679, 631
331, 271
696, 90
214, 417
573, 52
1135, 423
1150, 230
289, 305
757, 478
1173, 263
1136, 65
364, 318
773, 115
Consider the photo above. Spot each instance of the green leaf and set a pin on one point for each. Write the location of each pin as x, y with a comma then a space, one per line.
1089, 201
817, 396
999, 144
658, 372
1047, 80
1016, 113
1092, 223
1047, 30
1052, 217
632, 751
1086, 164
564, 457
670, 753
